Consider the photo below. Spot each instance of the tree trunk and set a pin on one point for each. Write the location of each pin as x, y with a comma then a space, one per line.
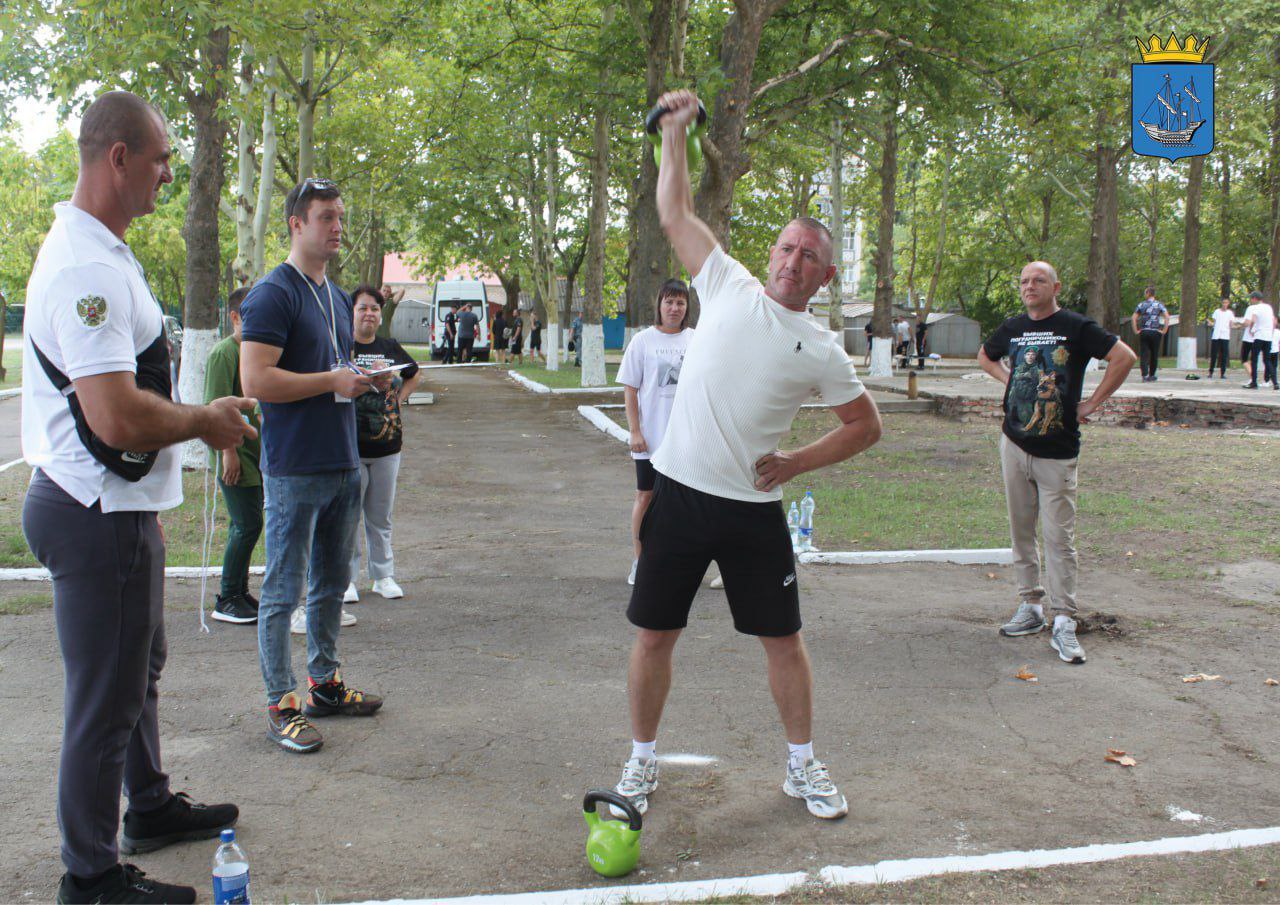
200, 228
1224, 216
1103, 272
307, 109
943, 207
835, 289
245, 173
267, 178
1046, 209
1190, 267
1153, 224
593, 371
882, 344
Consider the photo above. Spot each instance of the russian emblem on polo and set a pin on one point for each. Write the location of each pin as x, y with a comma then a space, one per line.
1172, 99
92, 310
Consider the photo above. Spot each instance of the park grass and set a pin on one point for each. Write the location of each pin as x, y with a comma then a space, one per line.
1175, 503
183, 530
12, 361
24, 602
568, 376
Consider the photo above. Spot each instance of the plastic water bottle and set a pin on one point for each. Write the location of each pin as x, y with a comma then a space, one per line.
793, 525
807, 506
230, 872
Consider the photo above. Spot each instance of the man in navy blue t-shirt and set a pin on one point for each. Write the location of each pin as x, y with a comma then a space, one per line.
296, 356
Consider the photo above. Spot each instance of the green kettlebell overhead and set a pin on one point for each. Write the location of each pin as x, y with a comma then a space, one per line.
613, 846
692, 147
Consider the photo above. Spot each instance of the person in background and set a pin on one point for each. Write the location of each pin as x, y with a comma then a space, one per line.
1150, 321
1260, 321
517, 337
922, 337
468, 323
450, 335
535, 341
499, 332
870, 331
238, 478
650, 375
1220, 339
577, 340
379, 437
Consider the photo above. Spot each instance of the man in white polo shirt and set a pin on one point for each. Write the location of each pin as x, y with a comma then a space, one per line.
98, 426
756, 356
1260, 320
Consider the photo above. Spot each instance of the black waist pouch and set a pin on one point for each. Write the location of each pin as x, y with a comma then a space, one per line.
152, 374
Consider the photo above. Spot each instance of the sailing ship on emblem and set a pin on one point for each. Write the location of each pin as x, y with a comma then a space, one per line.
1177, 114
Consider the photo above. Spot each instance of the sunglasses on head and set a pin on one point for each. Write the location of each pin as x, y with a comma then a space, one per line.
315, 184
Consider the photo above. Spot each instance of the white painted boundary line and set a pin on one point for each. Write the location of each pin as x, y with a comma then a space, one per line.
12, 391
994, 556
169, 572
536, 387
469, 364
7, 465
600, 421
871, 874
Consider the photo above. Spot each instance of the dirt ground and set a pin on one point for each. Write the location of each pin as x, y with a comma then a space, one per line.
504, 671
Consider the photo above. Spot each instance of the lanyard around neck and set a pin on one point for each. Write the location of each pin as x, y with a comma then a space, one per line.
331, 322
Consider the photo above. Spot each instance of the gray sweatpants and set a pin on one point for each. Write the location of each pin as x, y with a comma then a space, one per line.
377, 499
108, 605
1044, 489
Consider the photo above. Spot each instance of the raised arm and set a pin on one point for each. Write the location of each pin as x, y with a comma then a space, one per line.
692, 239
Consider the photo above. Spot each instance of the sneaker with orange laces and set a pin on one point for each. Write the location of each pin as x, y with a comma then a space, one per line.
288, 728
334, 698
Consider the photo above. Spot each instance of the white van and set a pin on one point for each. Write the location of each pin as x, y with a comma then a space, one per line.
451, 295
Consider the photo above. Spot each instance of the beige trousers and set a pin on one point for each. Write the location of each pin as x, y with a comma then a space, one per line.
1044, 488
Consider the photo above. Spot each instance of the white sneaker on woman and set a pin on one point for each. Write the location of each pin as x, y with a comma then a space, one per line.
388, 588
352, 595
298, 621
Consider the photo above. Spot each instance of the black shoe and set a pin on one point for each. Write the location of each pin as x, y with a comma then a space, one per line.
178, 821
237, 609
334, 698
124, 883
253, 601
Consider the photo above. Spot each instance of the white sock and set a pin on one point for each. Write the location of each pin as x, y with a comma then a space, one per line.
1059, 619
1039, 608
643, 750
799, 754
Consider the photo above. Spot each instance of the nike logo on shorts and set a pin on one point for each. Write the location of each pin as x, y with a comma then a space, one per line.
789, 580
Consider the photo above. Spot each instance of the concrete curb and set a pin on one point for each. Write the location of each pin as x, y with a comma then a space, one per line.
14, 391
995, 556
891, 871
469, 364
600, 421
536, 387
169, 572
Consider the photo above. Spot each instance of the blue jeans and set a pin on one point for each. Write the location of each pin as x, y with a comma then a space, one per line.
310, 528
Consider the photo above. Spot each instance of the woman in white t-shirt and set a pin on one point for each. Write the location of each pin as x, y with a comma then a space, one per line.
1220, 340
650, 374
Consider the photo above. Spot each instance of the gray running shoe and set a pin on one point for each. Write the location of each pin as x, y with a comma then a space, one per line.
1026, 621
639, 779
813, 783
1063, 640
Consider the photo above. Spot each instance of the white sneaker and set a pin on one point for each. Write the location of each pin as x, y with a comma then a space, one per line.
351, 595
388, 588
631, 578
718, 582
813, 783
639, 779
298, 621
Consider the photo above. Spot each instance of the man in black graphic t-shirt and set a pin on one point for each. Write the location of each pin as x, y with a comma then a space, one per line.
1048, 348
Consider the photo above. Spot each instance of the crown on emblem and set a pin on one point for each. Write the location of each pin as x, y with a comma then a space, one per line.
1172, 52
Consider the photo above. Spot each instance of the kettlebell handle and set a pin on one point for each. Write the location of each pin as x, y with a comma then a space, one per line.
611, 797
659, 111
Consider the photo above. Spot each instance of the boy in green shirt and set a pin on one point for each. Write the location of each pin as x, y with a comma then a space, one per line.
239, 478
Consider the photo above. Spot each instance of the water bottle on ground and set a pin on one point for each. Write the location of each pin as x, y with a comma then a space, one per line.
793, 525
230, 872
807, 506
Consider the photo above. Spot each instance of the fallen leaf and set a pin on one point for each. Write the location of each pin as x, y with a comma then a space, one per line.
1199, 677
1128, 552
1119, 757
991, 575
1116, 751
1261, 883
1026, 675
1272, 682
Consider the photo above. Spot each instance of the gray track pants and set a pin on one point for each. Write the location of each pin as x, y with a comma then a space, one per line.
1043, 489
108, 605
377, 499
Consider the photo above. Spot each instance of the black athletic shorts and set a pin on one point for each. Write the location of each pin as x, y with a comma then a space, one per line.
644, 474
684, 530
466, 344
1246, 349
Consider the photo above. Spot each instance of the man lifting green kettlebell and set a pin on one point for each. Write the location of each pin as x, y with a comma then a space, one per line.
692, 139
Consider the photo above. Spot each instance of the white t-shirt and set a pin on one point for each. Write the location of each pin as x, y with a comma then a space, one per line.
750, 365
1264, 321
1222, 324
90, 311
652, 365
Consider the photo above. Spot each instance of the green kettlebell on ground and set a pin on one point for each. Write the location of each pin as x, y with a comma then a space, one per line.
613, 846
692, 146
